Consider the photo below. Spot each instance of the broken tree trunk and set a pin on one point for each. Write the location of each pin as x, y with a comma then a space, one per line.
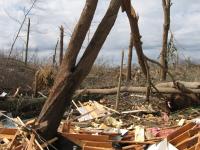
70, 76
61, 43
133, 20
54, 55
27, 41
163, 55
130, 50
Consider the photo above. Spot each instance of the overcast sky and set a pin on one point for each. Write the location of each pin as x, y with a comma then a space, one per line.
48, 15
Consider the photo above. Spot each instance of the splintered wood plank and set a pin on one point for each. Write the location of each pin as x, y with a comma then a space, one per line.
180, 131
188, 143
88, 137
89, 109
8, 131
184, 136
14, 139
6, 136
31, 142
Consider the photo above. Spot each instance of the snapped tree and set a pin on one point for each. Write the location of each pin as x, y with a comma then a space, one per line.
71, 72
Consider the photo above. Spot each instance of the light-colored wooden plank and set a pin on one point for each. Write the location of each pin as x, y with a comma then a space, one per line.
98, 144
30, 143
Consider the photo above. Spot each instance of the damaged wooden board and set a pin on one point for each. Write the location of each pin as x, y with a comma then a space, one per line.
186, 137
7, 133
90, 110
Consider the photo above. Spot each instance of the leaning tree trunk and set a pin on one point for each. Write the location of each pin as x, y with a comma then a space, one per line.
163, 55
70, 75
133, 20
130, 50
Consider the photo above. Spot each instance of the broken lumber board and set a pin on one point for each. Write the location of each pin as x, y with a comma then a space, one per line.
8, 133
164, 90
87, 137
188, 142
180, 131
31, 142
189, 133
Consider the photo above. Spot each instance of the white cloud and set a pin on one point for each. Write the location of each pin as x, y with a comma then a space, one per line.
45, 24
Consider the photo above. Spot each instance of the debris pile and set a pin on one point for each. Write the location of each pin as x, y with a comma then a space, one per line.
99, 127
103, 137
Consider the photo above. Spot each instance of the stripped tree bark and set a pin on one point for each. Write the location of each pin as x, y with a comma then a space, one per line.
130, 50
71, 75
163, 55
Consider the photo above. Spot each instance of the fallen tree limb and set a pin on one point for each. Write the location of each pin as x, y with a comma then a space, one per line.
192, 85
164, 90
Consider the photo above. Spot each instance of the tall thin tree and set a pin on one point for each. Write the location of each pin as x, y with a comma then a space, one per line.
54, 55
61, 44
166, 26
27, 41
129, 66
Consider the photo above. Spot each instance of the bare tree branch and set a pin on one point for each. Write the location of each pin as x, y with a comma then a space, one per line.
21, 25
